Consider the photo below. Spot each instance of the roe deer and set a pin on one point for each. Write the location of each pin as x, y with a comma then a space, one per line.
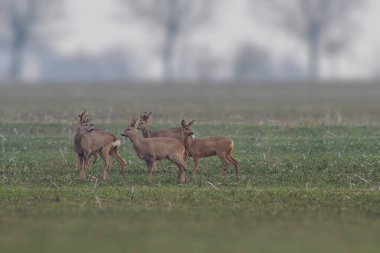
89, 141
219, 146
175, 133
147, 133
152, 150
84, 121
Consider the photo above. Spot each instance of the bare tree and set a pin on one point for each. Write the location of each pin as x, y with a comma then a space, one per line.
323, 25
174, 18
252, 62
21, 20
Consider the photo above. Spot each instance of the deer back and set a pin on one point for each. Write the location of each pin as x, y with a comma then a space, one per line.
159, 147
94, 141
144, 123
210, 146
152, 148
175, 133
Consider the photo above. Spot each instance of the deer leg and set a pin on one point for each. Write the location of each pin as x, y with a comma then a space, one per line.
121, 161
185, 156
183, 172
162, 165
222, 157
80, 166
182, 168
77, 164
155, 166
86, 163
179, 174
150, 165
107, 163
195, 167
235, 163
94, 160
83, 159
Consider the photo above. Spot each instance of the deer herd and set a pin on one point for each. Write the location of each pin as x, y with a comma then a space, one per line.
173, 144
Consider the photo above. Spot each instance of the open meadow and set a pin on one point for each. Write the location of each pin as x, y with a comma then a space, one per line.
308, 154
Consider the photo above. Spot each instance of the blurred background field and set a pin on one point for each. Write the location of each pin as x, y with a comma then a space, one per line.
277, 103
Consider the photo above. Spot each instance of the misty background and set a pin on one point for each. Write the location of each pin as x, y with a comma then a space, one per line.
188, 40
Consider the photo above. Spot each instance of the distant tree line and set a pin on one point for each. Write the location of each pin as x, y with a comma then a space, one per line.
324, 27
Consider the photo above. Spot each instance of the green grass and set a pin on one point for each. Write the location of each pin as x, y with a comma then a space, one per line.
169, 218
301, 187
308, 184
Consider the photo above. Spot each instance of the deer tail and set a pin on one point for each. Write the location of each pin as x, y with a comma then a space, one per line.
231, 150
116, 143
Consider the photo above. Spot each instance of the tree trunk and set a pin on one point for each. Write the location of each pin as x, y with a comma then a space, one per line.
16, 61
168, 55
313, 40
171, 33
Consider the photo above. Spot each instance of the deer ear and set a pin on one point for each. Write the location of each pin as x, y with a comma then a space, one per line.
81, 114
145, 116
183, 123
191, 123
133, 122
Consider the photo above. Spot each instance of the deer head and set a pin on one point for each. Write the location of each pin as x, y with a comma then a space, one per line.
131, 128
187, 129
80, 118
85, 123
144, 121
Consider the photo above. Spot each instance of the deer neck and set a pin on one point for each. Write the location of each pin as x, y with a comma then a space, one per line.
188, 141
137, 145
80, 131
147, 133
136, 142
134, 138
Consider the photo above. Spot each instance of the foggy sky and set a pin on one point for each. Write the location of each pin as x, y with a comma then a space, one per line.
93, 26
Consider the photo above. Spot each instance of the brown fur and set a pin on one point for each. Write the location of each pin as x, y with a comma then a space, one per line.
152, 150
143, 125
175, 133
219, 146
89, 142
84, 120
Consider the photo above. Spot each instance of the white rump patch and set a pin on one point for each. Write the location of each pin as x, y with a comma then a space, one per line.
116, 143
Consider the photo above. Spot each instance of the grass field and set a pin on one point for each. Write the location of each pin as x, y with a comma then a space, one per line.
309, 158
